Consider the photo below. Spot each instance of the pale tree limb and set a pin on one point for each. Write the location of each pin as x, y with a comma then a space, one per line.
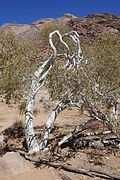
77, 132
94, 112
93, 133
75, 59
77, 129
63, 104
38, 81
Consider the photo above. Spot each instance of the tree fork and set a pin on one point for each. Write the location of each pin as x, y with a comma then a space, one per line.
38, 81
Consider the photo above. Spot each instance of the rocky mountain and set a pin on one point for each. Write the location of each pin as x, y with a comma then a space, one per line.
89, 27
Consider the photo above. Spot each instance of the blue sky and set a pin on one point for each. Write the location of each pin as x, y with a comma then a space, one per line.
27, 11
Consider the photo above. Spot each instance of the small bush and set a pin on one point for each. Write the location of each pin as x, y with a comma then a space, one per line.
15, 66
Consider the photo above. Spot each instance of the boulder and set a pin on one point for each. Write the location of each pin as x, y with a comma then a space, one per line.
13, 163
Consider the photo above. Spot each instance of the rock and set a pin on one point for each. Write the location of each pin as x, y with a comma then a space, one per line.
93, 26
13, 163
70, 15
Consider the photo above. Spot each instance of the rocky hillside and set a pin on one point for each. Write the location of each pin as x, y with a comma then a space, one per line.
96, 24
89, 27
30, 31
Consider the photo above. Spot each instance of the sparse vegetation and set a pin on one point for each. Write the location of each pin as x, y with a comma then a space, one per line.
98, 78
15, 66
100, 65
92, 84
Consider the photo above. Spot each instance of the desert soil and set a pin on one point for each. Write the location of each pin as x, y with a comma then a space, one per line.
110, 162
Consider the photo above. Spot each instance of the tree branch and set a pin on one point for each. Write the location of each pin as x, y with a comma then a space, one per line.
87, 172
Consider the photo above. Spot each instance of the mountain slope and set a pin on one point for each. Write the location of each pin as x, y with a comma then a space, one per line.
89, 27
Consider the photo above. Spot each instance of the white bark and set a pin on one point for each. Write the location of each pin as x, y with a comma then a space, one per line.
76, 130
75, 59
63, 104
29, 131
38, 80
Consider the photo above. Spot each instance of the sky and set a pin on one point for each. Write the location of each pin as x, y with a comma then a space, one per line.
27, 11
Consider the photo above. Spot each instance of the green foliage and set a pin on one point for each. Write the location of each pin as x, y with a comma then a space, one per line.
98, 78
104, 65
105, 54
100, 67
15, 66
61, 80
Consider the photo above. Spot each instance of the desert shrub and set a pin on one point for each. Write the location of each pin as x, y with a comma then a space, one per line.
15, 66
103, 69
19, 59
105, 57
98, 77
100, 69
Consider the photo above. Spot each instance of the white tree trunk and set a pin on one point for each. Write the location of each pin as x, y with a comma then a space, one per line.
63, 104
38, 80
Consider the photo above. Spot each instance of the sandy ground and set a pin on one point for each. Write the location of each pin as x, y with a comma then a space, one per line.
10, 114
34, 174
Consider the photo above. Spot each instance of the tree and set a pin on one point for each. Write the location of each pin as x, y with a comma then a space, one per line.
98, 78
39, 79
83, 87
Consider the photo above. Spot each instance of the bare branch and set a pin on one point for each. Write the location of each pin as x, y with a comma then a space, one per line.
87, 172
38, 81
